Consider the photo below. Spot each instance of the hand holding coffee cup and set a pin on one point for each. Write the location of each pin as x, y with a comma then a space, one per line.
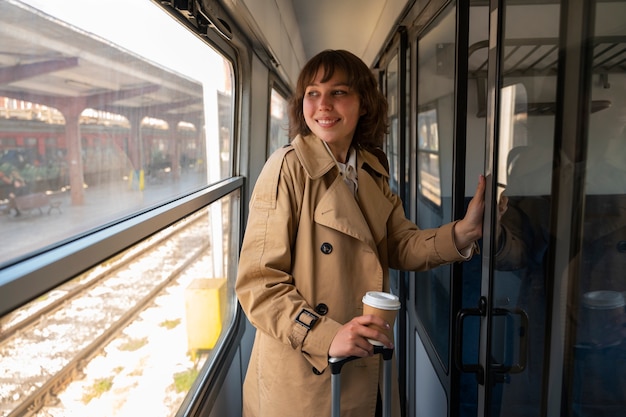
384, 305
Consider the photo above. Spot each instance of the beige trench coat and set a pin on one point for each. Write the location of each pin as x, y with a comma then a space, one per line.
312, 250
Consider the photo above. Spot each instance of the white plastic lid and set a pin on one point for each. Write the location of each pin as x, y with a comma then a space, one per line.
382, 300
603, 300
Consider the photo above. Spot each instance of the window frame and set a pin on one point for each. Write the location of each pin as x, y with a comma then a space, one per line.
26, 279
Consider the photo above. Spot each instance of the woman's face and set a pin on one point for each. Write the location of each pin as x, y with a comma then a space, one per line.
332, 110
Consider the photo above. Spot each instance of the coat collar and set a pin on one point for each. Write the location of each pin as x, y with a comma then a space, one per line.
364, 220
316, 161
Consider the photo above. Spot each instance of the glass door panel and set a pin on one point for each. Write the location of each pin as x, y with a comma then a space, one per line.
523, 173
435, 120
474, 165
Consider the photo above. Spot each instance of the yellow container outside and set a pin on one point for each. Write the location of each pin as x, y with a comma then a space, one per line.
205, 300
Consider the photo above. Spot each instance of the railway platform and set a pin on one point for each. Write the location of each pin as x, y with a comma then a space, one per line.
105, 203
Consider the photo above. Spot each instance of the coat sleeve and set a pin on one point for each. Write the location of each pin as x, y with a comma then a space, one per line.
265, 286
414, 249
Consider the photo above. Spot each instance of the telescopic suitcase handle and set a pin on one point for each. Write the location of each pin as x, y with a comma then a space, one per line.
335, 380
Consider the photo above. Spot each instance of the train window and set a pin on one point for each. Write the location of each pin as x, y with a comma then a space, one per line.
393, 139
428, 155
142, 325
109, 119
279, 122
118, 208
435, 99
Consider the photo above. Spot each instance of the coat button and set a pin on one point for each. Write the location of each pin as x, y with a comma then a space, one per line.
316, 372
321, 309
326, 248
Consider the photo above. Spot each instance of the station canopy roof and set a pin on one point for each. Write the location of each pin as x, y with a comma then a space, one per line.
52, 63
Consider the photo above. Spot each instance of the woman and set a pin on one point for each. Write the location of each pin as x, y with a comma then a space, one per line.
324, 228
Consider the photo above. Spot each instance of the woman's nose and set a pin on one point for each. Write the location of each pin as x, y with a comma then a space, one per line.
325, 102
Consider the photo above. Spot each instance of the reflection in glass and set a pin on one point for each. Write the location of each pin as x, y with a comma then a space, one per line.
279, 122
98, 122
525, 164
599, 386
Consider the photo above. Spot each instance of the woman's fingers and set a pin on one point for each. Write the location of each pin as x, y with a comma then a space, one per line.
377, 329
352, 339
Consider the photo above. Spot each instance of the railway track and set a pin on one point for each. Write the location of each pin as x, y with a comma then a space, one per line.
64, 333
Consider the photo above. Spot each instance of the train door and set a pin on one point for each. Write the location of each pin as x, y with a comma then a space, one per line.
552, 305
551, 302
532, 94
521, 80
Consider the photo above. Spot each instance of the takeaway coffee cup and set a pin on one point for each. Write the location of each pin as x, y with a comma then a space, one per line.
381, 304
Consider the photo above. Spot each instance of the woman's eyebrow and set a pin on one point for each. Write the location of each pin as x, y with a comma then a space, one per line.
337, 84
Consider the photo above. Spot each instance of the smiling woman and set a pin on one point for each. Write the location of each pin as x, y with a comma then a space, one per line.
323, 230
335, 86
331, 110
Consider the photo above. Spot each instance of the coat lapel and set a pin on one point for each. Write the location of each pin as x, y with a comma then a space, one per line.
339, 210
364, 220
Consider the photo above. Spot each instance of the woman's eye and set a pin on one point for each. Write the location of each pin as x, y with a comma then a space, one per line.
311, 93
339, 92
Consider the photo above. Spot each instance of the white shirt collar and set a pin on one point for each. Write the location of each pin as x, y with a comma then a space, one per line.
349, 172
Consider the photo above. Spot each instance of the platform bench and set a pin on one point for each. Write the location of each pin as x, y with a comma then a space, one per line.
29, 202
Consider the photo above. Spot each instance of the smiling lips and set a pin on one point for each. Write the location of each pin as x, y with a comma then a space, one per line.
327, 122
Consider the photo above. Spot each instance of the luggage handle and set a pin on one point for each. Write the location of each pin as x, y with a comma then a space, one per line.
336, 363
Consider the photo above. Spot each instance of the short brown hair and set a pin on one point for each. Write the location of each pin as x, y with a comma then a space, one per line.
373, 125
